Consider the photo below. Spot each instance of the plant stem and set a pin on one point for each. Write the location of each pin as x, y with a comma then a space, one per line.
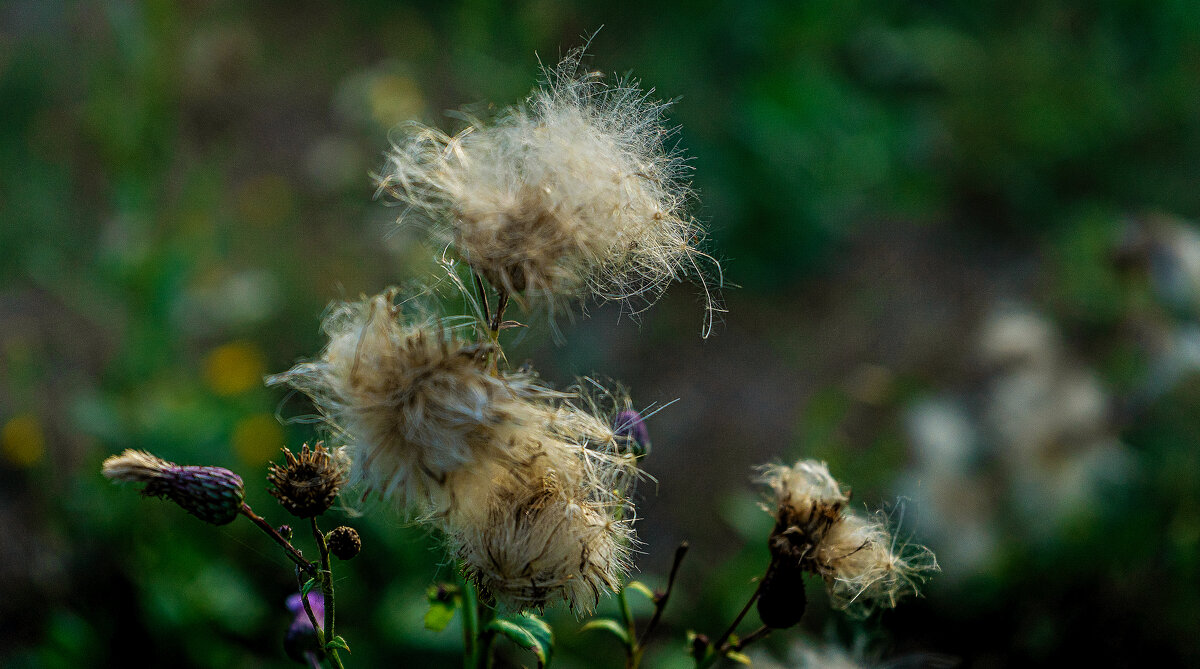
631, 646
750, 638
498, 317
661, 602
292, 553
484, 659
483, 298
721, 647
470, 623
327, 590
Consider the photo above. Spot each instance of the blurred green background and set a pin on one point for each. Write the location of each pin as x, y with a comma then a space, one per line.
967, 277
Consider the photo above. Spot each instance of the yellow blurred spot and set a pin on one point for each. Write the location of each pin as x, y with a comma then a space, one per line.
256, 439
394, 99
265, 200
234, 368
22, 442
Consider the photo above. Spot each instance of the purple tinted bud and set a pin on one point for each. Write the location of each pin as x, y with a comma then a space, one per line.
630, 429
212, 494
301, 637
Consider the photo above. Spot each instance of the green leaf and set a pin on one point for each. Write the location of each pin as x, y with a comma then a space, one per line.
608, 625
529, 632
307, 588
337, 643
638, 586
443, 600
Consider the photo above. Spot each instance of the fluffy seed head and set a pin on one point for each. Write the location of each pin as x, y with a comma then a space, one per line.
864, 564
212, 494
547, 544
308, 484
572, 192
416, 404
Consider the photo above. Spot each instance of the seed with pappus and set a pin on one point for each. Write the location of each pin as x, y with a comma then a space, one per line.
308, 484
212, 494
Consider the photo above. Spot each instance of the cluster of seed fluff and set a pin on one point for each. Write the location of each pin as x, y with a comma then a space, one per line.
416, 403
529, 486
572, 192
864, 565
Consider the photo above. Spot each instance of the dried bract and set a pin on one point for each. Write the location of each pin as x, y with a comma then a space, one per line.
308, 484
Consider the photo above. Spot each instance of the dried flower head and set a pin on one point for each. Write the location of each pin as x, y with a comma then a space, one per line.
864, 564
344, 542
212, 494
573, 192
308, 484
416, 404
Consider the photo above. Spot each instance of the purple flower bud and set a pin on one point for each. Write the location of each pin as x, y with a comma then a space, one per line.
301, 636
212, 494
630, 430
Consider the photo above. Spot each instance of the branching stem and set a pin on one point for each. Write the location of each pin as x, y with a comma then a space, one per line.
292, 553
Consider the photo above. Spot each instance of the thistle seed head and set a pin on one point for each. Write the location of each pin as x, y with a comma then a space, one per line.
416, 404
864, 564
547, 545
212, 494
307, 485
573, 192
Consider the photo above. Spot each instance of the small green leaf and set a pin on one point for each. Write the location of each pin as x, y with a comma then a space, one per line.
337, 643
529, 632
443, 600
608, 625
738, 657
308, 586
638, 586
439, 615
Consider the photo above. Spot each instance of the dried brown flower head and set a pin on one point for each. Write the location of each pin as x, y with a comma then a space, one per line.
308, 484
864, 565
344, 542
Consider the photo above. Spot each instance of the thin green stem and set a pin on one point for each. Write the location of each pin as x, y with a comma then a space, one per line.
661, 603
327, 591
631, 646
470, 611
721, 647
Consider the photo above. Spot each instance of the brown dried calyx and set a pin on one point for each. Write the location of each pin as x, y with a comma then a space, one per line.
308, 485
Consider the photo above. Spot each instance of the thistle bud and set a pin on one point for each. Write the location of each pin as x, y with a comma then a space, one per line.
344, 542
630, 430
212, 494
306, 486
782, 601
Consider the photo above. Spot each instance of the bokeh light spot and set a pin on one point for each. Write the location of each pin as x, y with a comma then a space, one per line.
22, 442
234, 368
256, 439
